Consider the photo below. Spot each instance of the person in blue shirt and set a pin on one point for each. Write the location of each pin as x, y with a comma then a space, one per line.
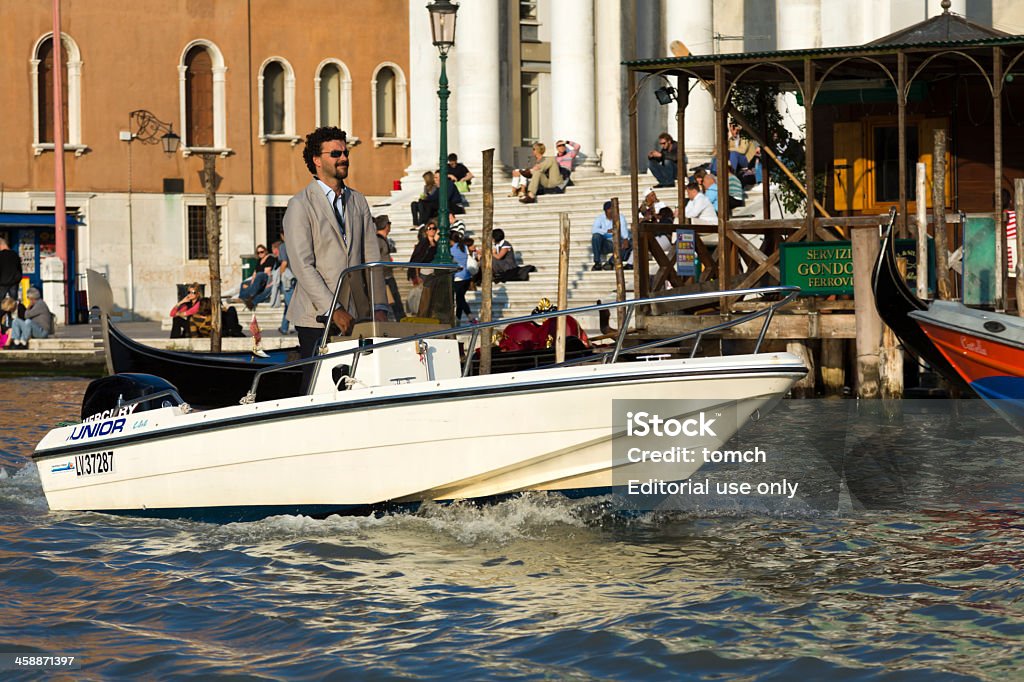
601, 238
711, 190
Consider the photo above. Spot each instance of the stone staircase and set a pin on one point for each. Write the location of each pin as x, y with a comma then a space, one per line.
533, 230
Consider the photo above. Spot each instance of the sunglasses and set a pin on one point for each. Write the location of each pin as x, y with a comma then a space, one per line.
336, 153
192, 293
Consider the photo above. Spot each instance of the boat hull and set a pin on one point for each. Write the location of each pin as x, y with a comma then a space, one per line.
465, 438
990, 360
206, 379
895, 301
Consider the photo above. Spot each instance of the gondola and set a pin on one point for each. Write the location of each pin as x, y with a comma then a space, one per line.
204, 379
894, 302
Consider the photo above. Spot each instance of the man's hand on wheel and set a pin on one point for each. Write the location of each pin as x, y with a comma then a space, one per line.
343, 321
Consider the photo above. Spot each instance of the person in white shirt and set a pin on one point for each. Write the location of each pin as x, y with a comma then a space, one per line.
698, 207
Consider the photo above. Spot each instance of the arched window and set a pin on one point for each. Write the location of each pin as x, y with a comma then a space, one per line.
273, 99
333, 89
42, 67
276, 92
198, 98
201, 88
386, 103
46, 109
390, 119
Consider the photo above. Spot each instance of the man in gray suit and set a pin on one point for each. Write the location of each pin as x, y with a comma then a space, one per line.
328, 228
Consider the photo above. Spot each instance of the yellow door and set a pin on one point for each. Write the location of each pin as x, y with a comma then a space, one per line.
849, 166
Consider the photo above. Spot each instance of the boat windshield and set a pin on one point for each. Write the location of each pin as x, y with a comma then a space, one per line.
429, 290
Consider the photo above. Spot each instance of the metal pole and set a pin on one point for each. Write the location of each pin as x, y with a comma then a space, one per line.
60, 211
997, 164
443, 254
1018, 186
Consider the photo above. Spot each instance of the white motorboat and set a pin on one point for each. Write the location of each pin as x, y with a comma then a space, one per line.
393, 422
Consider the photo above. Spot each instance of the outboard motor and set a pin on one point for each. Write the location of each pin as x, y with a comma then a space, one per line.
105, 397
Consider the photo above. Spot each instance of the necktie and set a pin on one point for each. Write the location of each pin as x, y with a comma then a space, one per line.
340, 213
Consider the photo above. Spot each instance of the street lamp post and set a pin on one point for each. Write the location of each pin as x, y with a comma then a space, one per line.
442, 25
146, 128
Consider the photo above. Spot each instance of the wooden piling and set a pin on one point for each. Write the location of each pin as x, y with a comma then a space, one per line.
563, 284
921, 198
890, 355
833, 366
945, 290
620, 276
865, 247
487, 262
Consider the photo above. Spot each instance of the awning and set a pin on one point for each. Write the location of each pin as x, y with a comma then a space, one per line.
33, 219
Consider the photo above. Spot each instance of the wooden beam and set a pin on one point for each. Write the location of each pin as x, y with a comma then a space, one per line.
809, 144
783, 326
901, 114
721, 144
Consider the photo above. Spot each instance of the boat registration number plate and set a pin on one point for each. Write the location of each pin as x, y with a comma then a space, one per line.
94, 463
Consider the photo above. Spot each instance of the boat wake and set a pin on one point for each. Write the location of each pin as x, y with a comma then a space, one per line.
527, 516
20, 489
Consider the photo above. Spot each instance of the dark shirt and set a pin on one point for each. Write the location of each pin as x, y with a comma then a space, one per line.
670, 154
10, 268
458, 170
268, 262
423, 253
454, 197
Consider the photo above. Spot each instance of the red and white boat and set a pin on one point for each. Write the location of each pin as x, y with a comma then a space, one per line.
986, 349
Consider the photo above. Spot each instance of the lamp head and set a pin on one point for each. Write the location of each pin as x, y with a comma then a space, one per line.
170, 141
665, 94
442, 24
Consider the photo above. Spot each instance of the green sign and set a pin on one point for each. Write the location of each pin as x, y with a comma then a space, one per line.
826, 268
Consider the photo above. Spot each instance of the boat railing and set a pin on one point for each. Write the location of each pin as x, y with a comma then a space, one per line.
325, 317
785, 293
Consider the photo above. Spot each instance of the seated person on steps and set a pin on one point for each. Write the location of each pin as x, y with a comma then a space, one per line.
255, 289
601, 238
663, 161
698, 207
430, 205
566, 157
504, 266
544, 174
419, 209
457, 172
183, 310
38, 322
201, 323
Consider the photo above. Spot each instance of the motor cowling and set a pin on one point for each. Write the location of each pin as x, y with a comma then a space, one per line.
105, 397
